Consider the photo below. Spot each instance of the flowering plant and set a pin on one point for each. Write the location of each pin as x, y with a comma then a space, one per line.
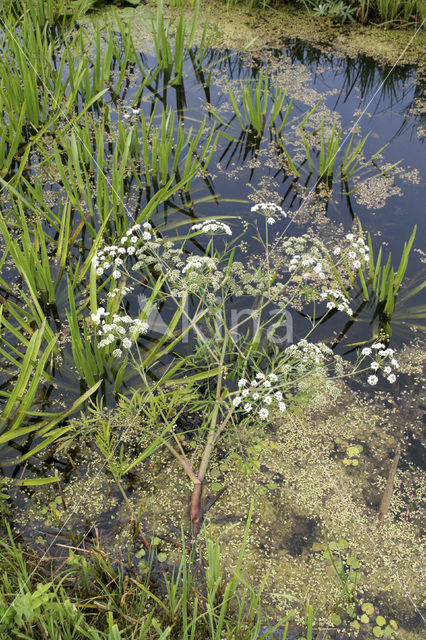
173, 273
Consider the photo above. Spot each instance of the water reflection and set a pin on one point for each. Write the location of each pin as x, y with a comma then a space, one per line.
245, 164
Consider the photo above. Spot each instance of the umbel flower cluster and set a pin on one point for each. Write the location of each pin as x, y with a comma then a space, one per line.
212, 227
259, 396
270, 210
307, 356
199, 262
113, 257
310, 259
184, 273
200, 275
382, 360
122, 330
358, 251
336, 300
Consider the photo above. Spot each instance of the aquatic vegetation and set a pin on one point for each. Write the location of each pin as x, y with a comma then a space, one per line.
383, 282
267, 391
312, 441
382, 11
104, 603
109, 218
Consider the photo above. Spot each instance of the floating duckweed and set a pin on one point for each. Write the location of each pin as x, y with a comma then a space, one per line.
143, 566
335, 619
380, 620
352, 451
368, 608
353, 562
378, 632
365, 619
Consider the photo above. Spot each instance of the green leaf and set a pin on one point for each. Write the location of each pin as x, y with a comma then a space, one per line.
335, 619
368, 608
36, 482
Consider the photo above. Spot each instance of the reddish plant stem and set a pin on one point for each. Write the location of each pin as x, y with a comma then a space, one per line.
196, 510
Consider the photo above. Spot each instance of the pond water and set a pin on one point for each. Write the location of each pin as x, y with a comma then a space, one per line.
360, 95
357, 96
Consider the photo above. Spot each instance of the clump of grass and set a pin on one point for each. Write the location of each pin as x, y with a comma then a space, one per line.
386, 12
256, 114
93, 597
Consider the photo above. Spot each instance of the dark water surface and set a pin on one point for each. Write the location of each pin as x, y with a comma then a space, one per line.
360, 94
364, 97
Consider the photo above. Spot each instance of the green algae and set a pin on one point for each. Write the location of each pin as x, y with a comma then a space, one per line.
239, 27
